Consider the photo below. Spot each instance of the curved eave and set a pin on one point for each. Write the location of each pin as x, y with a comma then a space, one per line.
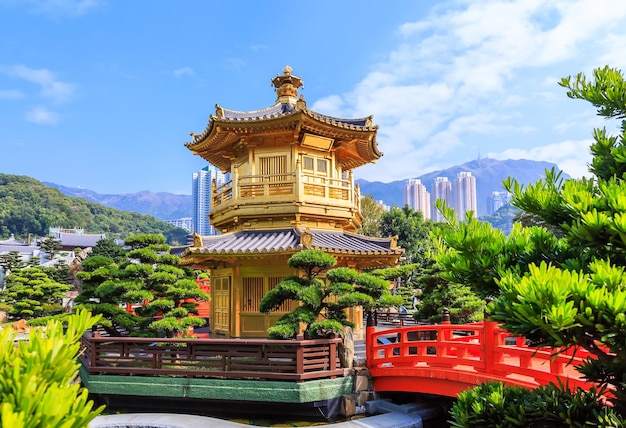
356, 146
223, 254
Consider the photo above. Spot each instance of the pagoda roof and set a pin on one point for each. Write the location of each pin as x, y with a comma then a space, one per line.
22, 249
284, 109
81, 240
249, 242
354, 140
12, 241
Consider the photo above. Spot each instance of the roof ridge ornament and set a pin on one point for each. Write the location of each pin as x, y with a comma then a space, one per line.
219, 111
287, 86
306, 238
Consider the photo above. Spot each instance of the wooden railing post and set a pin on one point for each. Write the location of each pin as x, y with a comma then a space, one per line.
299, 354
93, 349
332, 355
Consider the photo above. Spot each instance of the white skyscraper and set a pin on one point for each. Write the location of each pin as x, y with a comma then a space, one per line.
201, 195
441, 189
497, 200
464, 192
416, 196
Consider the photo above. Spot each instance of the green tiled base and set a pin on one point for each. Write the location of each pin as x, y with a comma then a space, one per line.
217, 389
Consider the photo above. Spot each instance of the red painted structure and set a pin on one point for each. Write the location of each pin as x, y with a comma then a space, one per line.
445, 359
204, 308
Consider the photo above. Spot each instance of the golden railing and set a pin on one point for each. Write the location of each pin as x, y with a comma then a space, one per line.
289, 186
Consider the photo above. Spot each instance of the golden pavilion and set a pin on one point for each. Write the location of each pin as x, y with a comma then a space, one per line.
290, 187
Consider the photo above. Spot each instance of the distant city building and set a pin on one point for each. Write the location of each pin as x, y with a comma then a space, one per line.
441, 190
417, 197
201, 195
383, 205
75, 238
183, 222
26, 250
464, 194
497, 200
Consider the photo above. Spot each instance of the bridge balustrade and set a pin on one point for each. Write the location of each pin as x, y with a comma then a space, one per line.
445, 359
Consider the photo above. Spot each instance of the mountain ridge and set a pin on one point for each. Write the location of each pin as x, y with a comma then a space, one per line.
162, 205
489, 175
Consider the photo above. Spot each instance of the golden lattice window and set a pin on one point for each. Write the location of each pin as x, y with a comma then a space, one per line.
253, 290
273, 166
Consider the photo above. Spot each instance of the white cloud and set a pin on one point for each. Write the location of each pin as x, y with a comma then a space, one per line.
475, 76
571, 156
42, 116
50, 87
184, 71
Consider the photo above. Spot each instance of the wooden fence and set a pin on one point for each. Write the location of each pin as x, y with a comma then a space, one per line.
259, 359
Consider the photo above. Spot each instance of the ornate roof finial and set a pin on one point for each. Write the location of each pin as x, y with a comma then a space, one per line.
287, 86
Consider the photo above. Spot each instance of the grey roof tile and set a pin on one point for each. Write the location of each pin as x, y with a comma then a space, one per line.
272, 241
78, 239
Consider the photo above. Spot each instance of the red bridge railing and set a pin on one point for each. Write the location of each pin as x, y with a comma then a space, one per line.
446, 359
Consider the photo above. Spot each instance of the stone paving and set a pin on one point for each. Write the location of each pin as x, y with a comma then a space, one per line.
170, 420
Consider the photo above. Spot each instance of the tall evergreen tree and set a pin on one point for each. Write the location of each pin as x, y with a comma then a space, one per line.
565, 285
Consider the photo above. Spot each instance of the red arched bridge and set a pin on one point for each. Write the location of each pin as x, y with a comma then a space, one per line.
445, 359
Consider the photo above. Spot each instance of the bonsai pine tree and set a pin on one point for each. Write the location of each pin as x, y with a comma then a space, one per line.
30, 293
11, 261
165, 294
51, 246
322, 303
563, 285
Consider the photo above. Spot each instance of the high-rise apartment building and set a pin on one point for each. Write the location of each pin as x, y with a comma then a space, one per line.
201, 195
441, 189
417, 197
183, 222
464, 193
497, 200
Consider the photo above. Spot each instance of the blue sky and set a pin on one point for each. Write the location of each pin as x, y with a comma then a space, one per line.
103, 94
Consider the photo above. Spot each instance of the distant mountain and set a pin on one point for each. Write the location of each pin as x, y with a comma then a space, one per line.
489, 173
31, 208
162, 205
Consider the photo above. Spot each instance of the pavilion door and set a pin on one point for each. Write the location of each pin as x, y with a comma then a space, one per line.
221, 304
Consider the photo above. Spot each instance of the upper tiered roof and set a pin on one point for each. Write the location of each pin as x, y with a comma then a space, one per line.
354, 140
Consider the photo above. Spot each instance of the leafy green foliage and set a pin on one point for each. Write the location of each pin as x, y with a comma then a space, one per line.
37, 377
474, 253
11, 261
312, 262
51, 246
322, 303
164, 293
372, 213
562, 285
30, 293
495, 405
29, 207
412, 230
502, 219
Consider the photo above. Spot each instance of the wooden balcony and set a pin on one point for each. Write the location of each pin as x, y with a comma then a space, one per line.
257, 359
246, 192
